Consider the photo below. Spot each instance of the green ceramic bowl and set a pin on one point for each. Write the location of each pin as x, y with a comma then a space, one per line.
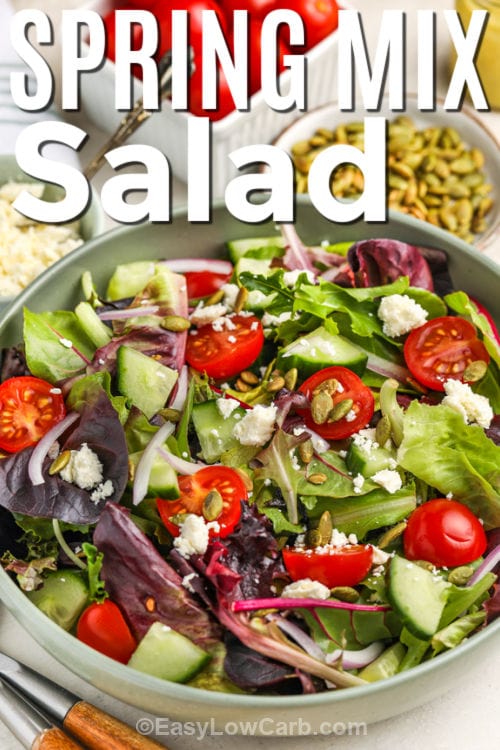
59, 287
91, 223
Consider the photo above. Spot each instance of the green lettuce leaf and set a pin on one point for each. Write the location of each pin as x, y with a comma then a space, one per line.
453, 457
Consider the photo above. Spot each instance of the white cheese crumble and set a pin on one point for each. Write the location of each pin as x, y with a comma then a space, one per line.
223, 322
231, 292
358, 483
202, 315
257, 426
380, 557
66, 343
290, 277
389, 479
474, 408
306, 588
26, 247
269, 320
84, 470
400, 314
226, 406
194, 534
339, 539
186, 581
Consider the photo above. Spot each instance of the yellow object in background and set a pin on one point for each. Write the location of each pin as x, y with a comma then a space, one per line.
488, 58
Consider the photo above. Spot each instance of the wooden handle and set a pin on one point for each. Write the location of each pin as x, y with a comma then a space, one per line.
100, 731
54, 739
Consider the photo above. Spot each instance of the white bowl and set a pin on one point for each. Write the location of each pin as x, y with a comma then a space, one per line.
472, 131
59, 287
168, 130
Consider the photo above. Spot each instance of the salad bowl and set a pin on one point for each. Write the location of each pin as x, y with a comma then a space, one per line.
59, 288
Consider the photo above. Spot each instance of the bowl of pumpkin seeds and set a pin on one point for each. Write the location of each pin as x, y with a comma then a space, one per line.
442, 167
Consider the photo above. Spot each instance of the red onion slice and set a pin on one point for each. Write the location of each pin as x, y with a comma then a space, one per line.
301, 638
187, 265
489, 563
180, 465
143, 470
181, 390
356, 659
129, 312
43, 446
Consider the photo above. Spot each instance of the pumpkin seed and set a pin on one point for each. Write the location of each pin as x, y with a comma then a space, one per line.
313, 538
459, 576
383, 430
321, 406
325, 526
317, 478
391, 535
291, 378
171, 415
249, 377
241, 299
345, 594
306, 451
340, 410
475, 371
59, 462
275, 384
212, 505
175, 323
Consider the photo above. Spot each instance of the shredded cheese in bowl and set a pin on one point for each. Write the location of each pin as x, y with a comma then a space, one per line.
27, 247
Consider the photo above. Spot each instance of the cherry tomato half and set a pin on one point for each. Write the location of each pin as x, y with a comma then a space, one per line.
225, 352
29, 407
102, 627
350, 387
441, 349
194, 489
332, 566
203, 283
445, 533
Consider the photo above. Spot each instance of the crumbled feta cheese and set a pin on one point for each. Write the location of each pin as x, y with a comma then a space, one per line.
202, 315
290, 277
269, 320
83, 468
365, 439
306, 588
379, 556
350, 416
231, 292
27, 247
474, 408
102, 491
226, 406
257, 426
193, 537
389, 479
224, 322
232, 339
295, 460
400, 314
358, 483
186, 581
66, 342
339, 539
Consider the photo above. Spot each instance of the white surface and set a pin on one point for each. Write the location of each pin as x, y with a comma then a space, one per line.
466, 718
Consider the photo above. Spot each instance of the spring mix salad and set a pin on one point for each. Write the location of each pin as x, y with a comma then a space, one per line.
276, 473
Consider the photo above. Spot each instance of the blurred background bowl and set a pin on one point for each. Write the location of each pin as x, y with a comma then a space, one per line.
60, 287
90, 224
326, 125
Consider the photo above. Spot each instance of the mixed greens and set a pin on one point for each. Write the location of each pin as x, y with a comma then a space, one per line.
278, 472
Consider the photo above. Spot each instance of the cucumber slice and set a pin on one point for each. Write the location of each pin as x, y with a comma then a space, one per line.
215, 432
417, 595
63, 597
167, 654
129, 278
98, 333
368, 460
238, 248
143, 380
162, 478
320, 349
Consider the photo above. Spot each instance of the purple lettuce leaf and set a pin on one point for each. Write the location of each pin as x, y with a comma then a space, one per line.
151, 340
100, 428
143, 584
381, 261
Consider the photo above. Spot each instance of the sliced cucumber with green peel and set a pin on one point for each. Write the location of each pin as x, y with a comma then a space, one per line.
167, 654
98, 333
417, 595
367, 460
215, 432
320, 349
162, 477
238, 248
129, 278
143, 380
63, 597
